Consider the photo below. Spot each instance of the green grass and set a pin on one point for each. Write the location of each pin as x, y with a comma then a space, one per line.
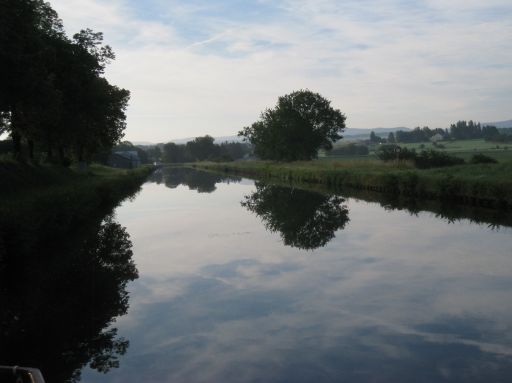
462, 148
20, 177
466, 148
482, 184
51, 197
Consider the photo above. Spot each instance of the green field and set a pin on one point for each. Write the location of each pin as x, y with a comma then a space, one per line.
462, 148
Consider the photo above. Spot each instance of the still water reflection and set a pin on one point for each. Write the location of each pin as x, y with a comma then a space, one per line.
388, 296
60, 297
304, 219
251, 282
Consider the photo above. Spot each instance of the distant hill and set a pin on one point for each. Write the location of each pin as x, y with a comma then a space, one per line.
352, 132
499, 124
349, 134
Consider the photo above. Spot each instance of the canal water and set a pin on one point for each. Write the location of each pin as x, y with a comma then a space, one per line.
244, 281
250, 282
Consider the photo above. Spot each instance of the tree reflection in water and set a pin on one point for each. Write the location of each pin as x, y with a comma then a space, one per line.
201, 181
305, 219
59, 300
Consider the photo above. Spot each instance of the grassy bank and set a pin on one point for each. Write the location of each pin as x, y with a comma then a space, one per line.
20, 177
487, 185
50, 199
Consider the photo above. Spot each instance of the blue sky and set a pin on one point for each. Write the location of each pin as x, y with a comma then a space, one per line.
210, 67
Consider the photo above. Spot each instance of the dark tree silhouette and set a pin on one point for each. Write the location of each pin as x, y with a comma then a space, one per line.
52, 93
304, 219
58, 302
301, 123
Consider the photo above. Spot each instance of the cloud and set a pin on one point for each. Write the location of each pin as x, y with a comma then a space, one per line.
210, 67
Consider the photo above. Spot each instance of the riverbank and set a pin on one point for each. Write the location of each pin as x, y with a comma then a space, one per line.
64, 264
53, 199
488, 185
20, 177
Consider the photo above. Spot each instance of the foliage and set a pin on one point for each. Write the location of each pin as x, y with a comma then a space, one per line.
467, 184
496, 135
425, 159
435, 159
154, 153
461, 130
390, 152
465, 130
374, 139
174, 153
351, 148
482, 159
204, 148
235, 150
53, 97
418, 134
301, 123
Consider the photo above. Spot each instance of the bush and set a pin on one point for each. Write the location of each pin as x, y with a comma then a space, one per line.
482, 159
350, 149
426, 159
395, 152
434, 159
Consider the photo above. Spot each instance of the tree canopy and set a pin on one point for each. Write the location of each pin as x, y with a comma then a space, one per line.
204, 148
299, 125
53, 94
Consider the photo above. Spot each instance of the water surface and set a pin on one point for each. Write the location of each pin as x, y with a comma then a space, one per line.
202, 277
250, 282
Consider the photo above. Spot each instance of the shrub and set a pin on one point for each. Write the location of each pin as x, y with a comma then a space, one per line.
426, 159
482, 159
350, 149
435, 159
395, 152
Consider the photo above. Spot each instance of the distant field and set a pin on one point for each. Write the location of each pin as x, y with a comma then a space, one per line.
463, 148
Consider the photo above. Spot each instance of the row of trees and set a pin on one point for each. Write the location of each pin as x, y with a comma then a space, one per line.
462, 130
53, 96
204, 148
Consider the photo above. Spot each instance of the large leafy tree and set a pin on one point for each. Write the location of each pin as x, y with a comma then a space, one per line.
26, 90
202, 148
301, 123
52, 90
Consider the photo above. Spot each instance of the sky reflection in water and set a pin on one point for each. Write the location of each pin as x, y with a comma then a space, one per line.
391, 298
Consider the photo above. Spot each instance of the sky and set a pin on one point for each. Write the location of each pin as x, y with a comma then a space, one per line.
201, 67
